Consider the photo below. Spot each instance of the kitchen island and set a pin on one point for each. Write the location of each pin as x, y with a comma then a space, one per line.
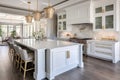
53, 57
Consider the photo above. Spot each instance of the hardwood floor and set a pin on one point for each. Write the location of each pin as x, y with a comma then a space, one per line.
94, 69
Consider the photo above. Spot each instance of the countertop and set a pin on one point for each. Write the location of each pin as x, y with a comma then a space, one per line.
105, 41
44, 44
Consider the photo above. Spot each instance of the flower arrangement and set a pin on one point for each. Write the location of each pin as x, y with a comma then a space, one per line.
39, 34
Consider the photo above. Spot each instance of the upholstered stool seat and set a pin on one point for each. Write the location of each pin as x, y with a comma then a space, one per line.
25, 59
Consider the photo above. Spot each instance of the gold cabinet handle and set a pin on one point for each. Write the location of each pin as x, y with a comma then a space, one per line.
68, 54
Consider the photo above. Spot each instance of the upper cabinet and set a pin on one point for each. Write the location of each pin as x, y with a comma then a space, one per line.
106, 15
80, 13
61, 21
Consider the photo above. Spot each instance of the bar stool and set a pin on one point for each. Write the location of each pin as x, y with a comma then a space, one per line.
11, 49
17, 55
14, 54
25, 59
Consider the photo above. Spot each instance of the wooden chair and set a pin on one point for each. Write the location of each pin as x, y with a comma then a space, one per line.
25, 59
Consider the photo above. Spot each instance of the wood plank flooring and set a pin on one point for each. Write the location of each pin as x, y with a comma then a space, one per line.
94, 69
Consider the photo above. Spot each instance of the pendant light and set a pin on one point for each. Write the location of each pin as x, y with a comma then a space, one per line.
37, 14
29, 17
49, 11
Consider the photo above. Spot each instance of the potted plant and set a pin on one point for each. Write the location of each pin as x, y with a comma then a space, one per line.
1, 32
13, 33
39, 34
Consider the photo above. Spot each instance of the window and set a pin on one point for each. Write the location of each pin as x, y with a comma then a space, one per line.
4, 29
10, 29
18, 30
7, 29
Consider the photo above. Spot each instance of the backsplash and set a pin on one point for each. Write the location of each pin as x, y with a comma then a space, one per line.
79, 31
83, 31
106, 35
86, 31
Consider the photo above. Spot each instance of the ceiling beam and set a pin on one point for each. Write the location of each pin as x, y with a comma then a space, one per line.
11, 7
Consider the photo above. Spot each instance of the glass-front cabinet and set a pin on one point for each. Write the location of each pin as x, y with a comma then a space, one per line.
98, 10
109, 22
106, 15
61, 21
98, 22
109, 7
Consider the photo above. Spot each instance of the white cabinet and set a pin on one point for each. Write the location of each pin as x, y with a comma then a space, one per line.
80, 13
61, 21
62, 59
106, 15
90, 47
104, 49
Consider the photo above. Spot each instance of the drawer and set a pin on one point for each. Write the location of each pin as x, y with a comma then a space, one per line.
103, 46
108, 50
103, 53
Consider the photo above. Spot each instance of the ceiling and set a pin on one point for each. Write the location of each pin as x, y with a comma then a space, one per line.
11, 17
23, 3
20, 7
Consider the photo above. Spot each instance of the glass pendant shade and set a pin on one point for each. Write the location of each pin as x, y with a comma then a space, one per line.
29, 19
49, 12
37, 16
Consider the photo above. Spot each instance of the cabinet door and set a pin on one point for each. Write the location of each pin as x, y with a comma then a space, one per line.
109, 22
60, 25
71, 57
64, 16
59, 60
98, 10
98, 22
64, 25
109, 7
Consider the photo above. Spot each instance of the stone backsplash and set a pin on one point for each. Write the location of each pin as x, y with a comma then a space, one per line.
86, 31
79, 31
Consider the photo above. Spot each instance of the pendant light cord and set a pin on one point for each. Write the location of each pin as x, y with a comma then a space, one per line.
37, 5
48, 2
29, 7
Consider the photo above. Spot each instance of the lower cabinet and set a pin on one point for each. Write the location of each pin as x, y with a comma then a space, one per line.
108, 50
62, 59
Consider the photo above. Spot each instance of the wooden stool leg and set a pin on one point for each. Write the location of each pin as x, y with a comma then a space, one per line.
20, 64
14, 60
25, 68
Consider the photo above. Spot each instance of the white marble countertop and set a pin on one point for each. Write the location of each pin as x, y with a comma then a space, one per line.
44, 44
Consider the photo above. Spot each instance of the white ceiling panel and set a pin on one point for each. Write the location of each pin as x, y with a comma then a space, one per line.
23, 3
